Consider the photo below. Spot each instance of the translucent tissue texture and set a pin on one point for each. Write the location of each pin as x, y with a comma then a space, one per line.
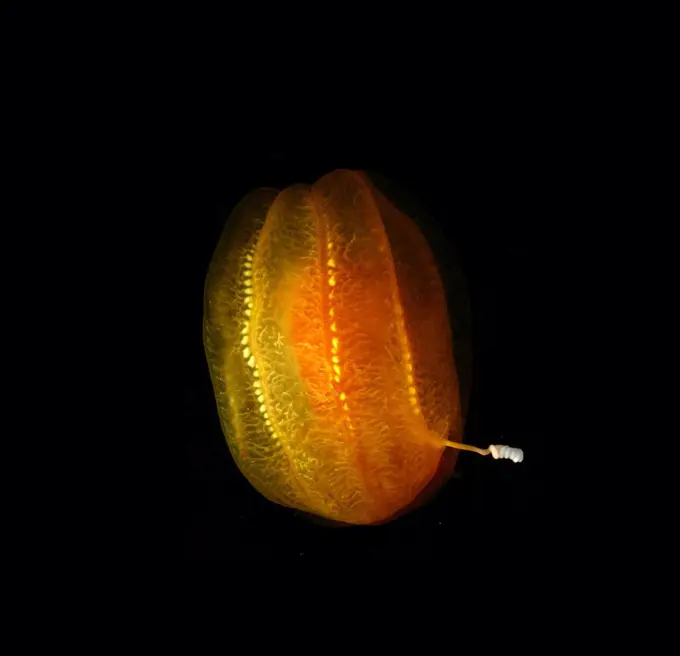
329, 347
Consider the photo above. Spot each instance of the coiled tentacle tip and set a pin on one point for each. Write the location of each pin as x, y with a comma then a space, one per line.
506, 452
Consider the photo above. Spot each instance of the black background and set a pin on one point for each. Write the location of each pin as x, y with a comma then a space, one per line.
482, 144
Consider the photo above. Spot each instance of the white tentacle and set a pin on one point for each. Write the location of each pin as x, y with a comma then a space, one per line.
507, 452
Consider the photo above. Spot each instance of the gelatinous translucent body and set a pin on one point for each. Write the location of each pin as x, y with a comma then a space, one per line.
329, 347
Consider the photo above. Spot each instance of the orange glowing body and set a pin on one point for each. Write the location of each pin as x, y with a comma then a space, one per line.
328, 341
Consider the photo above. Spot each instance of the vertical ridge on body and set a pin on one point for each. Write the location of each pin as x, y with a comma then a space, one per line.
426, 320
372, 346
296, 373
228, 329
